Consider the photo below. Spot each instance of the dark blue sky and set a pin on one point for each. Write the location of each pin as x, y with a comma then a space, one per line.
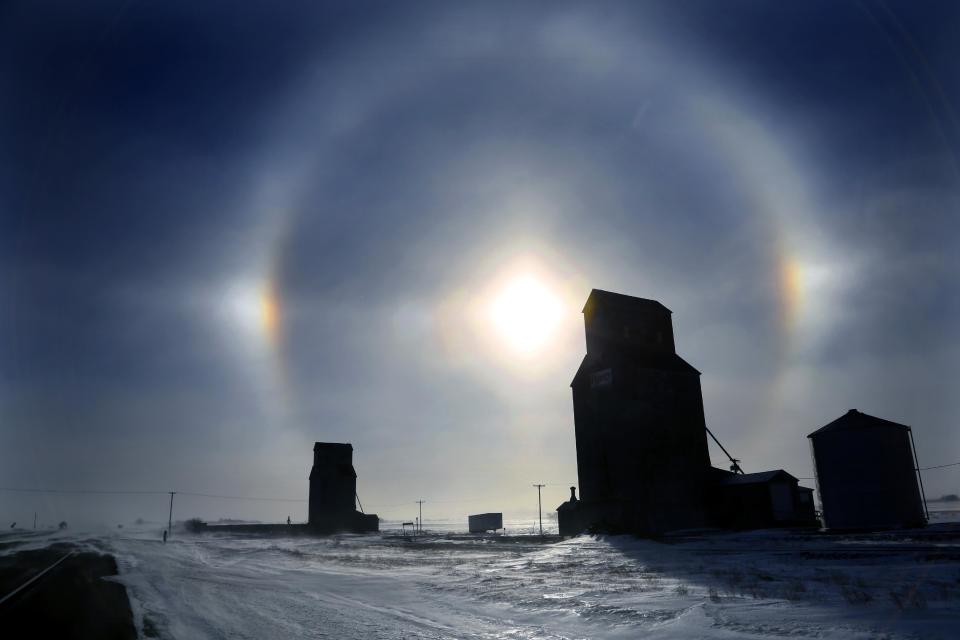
783, 176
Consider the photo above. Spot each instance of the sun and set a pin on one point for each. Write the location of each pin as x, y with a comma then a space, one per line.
253, 308
525, 313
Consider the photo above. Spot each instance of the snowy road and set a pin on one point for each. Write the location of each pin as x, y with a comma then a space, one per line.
727, 586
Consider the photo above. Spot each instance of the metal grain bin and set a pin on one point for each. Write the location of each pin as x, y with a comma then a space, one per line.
866, 474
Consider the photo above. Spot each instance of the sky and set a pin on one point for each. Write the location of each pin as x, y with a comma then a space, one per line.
228, 230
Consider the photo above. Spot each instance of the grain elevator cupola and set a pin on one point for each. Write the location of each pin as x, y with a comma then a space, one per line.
615, 321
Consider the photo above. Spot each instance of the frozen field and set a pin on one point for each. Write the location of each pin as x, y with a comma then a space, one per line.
445, 585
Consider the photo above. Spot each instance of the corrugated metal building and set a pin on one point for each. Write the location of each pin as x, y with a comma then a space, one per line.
866, 474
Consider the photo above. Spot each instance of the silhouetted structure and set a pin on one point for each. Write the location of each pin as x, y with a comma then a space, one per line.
642, 453
866, 473
482, 522
333, 480
568, 516
760, 500
333, 491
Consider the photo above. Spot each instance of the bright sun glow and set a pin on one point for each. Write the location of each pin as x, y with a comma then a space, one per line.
255, 309
526, 314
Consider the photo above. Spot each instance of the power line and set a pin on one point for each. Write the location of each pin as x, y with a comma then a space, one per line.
215, 495
391, 506
145, 493
940, 466
299, 500
212, 495
84, 491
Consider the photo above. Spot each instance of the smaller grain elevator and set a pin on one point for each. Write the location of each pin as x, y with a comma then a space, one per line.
867, 474
333, 481
333, 492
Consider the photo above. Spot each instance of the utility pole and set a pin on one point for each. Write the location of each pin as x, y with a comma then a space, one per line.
539, 506
170, 517
34, 519
420, 502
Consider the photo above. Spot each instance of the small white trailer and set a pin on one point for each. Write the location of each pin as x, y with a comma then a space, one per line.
485, 522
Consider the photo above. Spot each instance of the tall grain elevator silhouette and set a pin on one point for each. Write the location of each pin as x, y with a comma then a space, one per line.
333, 491
642, 455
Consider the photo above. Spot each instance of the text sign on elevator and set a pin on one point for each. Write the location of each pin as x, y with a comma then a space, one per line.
603, 378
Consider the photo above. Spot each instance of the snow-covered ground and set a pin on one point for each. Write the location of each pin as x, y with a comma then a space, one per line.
763, 584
